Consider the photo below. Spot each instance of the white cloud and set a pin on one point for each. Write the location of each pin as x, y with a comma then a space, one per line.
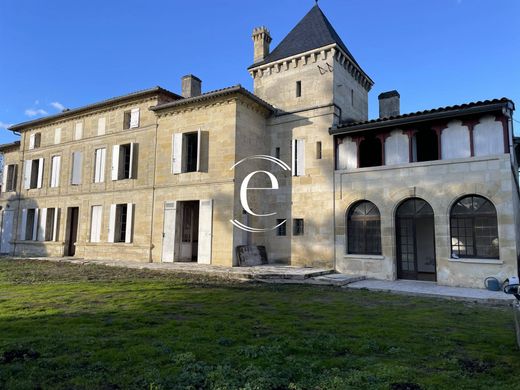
35, 111
36, 102
58, 106
4, 125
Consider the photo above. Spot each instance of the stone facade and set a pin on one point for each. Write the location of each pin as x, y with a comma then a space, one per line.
165, 190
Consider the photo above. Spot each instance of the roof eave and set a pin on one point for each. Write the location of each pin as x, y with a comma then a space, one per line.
421, 118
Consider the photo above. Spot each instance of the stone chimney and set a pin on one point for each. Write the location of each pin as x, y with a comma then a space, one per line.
261, 40
389, 104
191, 86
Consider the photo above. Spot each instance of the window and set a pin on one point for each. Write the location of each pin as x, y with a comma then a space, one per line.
352, 97
425, 146
9, 178
318, 150
121, 221
131, 119
370, 152
298, 157
102, 122
364, 229
474, 230
277, 152
57, 135
282, 229
78, 131
124, 161
95, 223
190, 152
298, 227
40, 224
77, 166
298, 89
55, 171
29, 224
33, 173
35, 141
99, 165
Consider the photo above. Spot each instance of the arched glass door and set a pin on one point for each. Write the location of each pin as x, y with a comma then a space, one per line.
415, 233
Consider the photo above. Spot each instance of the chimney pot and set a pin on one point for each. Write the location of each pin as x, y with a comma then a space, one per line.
389, 104
191, 86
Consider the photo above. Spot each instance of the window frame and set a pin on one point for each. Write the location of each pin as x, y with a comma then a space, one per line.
298, 226
364, 219
472, 217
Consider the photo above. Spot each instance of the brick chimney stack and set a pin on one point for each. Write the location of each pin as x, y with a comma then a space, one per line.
261, 39
191, 86
389, 104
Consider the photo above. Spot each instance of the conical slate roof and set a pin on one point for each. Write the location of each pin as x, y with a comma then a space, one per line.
312, 32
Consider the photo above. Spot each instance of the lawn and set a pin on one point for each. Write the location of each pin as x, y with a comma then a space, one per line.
65, 326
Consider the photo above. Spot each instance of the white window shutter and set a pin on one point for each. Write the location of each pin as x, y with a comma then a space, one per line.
300, 150
57, 135
31, 141
168, 241
55, 171
129, 222
77, 162
78, 133
293, 156
131, 167
27, 174
4, 178
205, 231
23, 225
102, 123
40, 172
35, 225
95, 224
115, 162
55, 224
177, 153
112, 223
134, 118
103, 165
42, 225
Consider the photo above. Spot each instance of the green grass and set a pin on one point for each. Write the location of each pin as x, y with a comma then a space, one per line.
65, 326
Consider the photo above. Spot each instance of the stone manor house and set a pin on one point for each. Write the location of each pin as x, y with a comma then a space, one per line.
148, 176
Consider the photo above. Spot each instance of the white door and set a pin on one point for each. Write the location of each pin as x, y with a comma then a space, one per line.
168, 244
7, 231
205, 231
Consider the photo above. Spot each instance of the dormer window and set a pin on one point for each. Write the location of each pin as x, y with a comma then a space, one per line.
35, 141
298, 89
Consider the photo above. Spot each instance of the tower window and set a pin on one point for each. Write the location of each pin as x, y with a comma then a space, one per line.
298, 88
318, 150
277, 152
352, 97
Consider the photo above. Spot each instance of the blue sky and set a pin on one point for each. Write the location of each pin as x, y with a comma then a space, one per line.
59, 53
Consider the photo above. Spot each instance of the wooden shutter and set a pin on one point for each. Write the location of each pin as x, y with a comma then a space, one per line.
133, 160
27, 174
112, 223
202, 151
102, 123
35, 225
115, 162
300, 157
134, 118
55, 171
205, 231
177, 153
99, 167
4, 178
57, 135
78, 133
55, 224
95, 223
77, 163
168, 242
40, 173
129, 222
42, 225
23, 225
32, 138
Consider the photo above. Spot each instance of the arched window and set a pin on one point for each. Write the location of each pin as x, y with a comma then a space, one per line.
364, 229
474, 230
